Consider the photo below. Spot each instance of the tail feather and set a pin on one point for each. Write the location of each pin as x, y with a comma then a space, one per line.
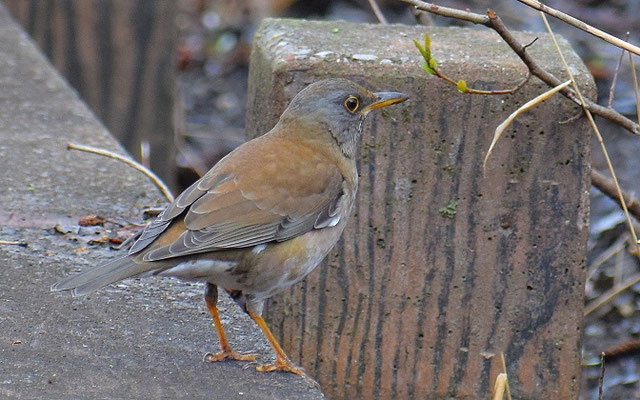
98, 277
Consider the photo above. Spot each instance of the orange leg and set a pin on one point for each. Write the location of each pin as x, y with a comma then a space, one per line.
211, 299
282, 362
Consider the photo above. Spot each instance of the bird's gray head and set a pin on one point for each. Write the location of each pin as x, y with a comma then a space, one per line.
340, 106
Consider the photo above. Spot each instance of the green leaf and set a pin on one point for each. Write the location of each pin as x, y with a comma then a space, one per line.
433, 64
462, 86
427, 43
428, 69
421, 49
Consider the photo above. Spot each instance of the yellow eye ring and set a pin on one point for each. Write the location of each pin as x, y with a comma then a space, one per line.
351, 104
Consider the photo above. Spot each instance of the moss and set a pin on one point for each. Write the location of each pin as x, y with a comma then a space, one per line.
450, 168
449, 210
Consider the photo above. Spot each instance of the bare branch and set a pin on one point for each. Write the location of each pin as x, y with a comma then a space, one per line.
494, 22
615, 77
601, 377
635, 86
449, 12
377, 12
610, 294
13, 243
582, 26
607, 187
154, 178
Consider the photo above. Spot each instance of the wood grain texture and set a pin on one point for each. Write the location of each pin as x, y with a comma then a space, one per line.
118, 55
416, 302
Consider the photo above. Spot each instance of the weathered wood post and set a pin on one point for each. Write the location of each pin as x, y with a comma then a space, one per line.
442, 267
119, 56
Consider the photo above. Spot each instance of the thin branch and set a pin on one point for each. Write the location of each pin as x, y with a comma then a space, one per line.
613, 250
610, 294
377, 12
551, 80
572, 118
13, 243
635, 86
620, 350
615, 77
582, 26
601, 377
431, 66
449, 12
154, 178
491, 20
607, 187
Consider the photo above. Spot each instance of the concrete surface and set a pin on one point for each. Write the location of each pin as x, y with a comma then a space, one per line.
140, 339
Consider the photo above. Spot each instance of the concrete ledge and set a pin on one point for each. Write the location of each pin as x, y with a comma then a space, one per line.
141, 339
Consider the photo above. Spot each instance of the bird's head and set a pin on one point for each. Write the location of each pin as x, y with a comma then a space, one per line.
338, 106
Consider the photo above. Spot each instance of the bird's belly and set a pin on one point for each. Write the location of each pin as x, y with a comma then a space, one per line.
281, 265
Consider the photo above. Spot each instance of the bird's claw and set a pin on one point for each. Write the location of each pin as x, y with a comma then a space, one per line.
284, 364
230, 354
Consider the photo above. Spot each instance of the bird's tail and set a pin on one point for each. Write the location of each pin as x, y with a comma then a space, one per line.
98, 277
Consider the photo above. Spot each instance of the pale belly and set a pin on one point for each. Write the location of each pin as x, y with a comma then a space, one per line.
282, 265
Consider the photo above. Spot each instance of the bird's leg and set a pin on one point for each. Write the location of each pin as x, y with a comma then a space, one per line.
211, 299
282, 362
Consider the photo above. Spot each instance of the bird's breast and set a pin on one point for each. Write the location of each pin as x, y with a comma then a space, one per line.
280, 265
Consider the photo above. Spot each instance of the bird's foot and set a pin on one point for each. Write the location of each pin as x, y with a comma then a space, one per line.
228, 353
284, 364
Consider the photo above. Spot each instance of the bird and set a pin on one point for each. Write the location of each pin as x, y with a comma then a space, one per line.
263, 217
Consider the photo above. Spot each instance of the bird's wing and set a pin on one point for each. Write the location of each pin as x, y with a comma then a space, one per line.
254, 197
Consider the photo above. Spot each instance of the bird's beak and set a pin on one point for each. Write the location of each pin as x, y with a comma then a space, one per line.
385, 99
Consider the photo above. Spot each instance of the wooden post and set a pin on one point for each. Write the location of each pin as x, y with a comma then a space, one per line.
119, 56
443, 266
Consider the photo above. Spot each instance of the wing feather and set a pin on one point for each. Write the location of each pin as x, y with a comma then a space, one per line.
242, 203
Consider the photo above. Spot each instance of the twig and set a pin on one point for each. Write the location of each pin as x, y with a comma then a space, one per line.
582, 26
523, 108
635, 86
607, 187
13, 243
449, 12
377, 12
615, 77
572, 118
636, 245
601, 377
491, 20
431, 66
624, 349
550, 79
154, 178
610, 294
611, 251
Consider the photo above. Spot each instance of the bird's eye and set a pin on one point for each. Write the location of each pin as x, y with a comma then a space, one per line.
351, 104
